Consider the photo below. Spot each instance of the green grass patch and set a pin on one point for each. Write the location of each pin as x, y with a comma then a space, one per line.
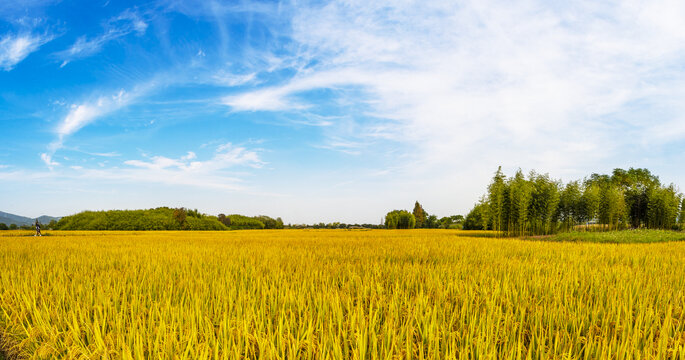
617, 237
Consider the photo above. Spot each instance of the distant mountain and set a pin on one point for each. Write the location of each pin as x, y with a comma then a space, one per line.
7, 219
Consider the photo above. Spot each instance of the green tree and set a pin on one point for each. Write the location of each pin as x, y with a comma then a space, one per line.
636, 185
611, 212
432, 222
180, 216
589, 202
569, 209
3, 226
476, 219
419, 215
662, 207
520, 193
224, 219
269, 222
400, 219
545, 197
496, 200
681, 218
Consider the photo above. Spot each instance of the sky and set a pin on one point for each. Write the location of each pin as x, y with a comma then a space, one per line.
329, 111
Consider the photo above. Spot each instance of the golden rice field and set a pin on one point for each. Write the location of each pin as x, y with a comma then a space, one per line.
329, 294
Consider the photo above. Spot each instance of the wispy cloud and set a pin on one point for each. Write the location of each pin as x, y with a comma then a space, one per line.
282, 98
15, 48
220, 171
227, 79
80, 115
125, 23
549, 81
106, 154
47, 159
83, 114
226, 156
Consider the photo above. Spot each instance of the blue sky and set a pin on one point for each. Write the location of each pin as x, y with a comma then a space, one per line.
328, 111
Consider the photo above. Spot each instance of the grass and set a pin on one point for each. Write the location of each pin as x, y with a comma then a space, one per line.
329, 294
620, 237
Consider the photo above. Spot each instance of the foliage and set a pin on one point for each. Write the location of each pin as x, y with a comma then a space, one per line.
311, 294
4, 226
152, 219
400, 219
419, 215
432, 222
681, 217
539, 205
451, 222
241, 222
163, 219
270, 223
477, 218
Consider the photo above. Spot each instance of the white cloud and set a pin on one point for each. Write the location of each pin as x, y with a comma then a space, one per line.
226, 156
224, 170
83, 114
522, 83
15, 48
117, 27
447, 91
281, 98
231, 80
84, 47
87, 112
47, 159
185, 171
261, 100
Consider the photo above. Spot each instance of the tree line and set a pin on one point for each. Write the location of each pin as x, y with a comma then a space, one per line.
162, 218
420, 219
540, 205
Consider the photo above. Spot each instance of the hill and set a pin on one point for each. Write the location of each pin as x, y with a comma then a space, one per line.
7, 219
162, 218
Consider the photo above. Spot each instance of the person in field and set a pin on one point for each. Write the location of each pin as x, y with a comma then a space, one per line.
38, 229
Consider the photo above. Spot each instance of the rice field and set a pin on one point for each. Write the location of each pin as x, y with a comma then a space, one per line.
329, 294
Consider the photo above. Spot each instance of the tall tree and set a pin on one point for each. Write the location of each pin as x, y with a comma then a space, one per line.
662, 208
681, 218
496, 201
636, 185
544, 203
569, 209
419, 215
519, 201
590, 202
612, 208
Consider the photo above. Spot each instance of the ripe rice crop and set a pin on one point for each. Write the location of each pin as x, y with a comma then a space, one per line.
329, 294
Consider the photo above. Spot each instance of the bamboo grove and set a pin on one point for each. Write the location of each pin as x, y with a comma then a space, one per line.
540, 205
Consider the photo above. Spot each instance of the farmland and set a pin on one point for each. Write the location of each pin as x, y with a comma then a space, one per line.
329, 294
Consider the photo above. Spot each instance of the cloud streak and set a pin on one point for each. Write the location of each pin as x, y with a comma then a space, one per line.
81, 115
226, 156
15, 48
126, 23
217, 172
